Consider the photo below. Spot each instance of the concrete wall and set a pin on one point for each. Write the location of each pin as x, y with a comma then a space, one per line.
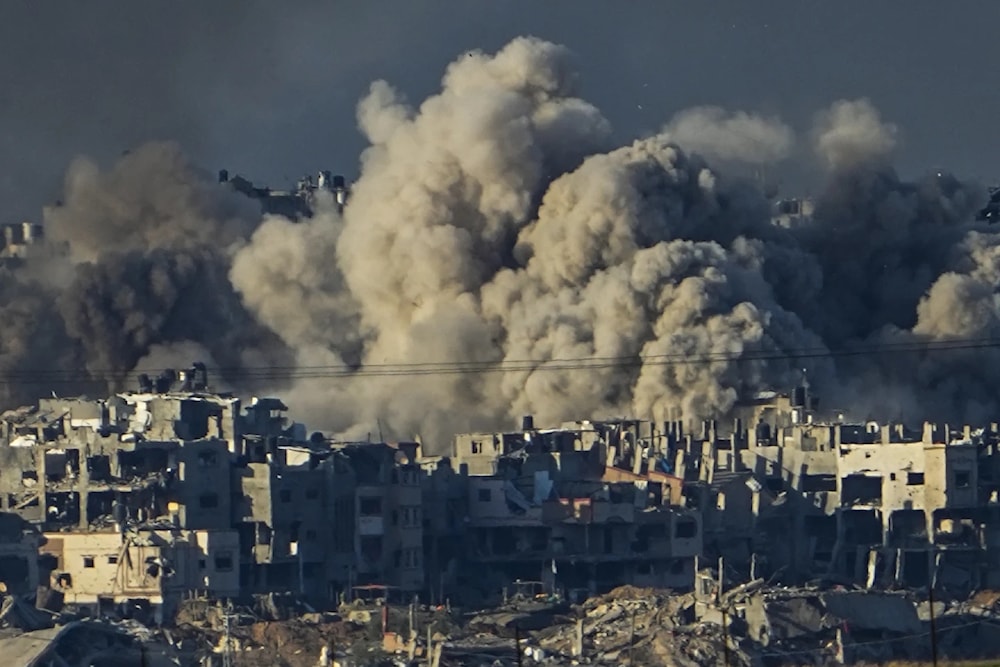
488, 505
18, 485
152, 565
204, 492
892, 462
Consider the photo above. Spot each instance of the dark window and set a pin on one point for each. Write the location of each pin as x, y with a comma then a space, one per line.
112, 560
224, 562
88, 561
815, 483
485, 495
208, 501
914, 478
202, 564
858, 489
285, 495
371, 506
963, 479
687, 528
892, 476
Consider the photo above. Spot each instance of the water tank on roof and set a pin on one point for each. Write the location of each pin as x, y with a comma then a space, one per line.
799, 397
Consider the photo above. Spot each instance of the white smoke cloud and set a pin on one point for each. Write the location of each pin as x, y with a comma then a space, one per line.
499, 257
852, 132
741, 137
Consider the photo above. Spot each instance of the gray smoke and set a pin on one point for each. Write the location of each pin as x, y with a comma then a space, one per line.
739, 137
152, 197
148, 246
852, 132
491, 227
500, 257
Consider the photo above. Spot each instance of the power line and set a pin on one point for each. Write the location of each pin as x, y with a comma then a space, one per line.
263, 373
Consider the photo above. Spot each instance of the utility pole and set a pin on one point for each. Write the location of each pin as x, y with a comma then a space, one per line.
517, 644
631, 643
725, 637
930, 603
227, 646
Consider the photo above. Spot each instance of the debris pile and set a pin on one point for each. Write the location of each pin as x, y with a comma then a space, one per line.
752, 625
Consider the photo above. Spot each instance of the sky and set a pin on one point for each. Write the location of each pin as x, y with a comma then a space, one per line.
269, 89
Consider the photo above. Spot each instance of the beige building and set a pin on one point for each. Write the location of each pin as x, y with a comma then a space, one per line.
158, 566
808, 495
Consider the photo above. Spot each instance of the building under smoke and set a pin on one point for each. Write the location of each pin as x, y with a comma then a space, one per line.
294, 204
502, 256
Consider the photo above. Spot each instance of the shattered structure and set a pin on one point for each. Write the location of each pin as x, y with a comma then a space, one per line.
585, 507
20, 239
294, 204
18, 555
875, 504
174, 490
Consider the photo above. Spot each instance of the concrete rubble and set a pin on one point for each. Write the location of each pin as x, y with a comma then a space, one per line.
749, 625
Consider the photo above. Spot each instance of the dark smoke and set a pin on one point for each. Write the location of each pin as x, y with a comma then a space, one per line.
122, 306
148, 247
495, 224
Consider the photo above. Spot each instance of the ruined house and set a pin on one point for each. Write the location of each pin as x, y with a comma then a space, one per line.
118, 481
18, 555
102, 569
383, 512
876, 504
586, 506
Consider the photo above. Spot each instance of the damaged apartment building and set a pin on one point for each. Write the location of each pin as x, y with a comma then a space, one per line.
580, 508
797, 494
292, 204
174, 490
131, 493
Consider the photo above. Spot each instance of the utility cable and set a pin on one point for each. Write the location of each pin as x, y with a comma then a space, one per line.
310, 371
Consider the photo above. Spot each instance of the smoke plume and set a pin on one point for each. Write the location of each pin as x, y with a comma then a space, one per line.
499, 256
738, 137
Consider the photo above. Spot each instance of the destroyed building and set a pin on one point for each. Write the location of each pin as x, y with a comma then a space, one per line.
805, 494
101, 569
174, 490
132, 492
18, 554
293, 204
386, 502
586, 507
18, 239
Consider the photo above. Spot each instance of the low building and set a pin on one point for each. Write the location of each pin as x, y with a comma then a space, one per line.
587, 506
158, 567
